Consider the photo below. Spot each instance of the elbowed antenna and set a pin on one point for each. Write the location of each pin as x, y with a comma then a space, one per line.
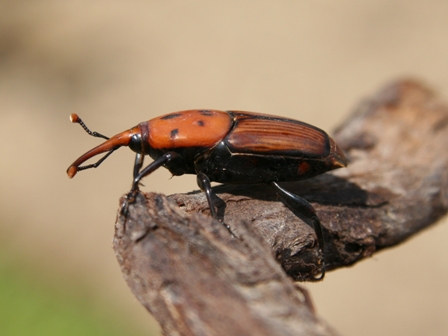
110, 145
75, 119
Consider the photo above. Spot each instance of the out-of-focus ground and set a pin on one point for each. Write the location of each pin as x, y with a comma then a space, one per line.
117, 63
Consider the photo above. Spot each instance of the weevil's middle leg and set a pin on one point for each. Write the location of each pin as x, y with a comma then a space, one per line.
302, 206
204, 184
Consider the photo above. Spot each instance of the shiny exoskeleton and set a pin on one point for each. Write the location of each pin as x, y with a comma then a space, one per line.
227, 147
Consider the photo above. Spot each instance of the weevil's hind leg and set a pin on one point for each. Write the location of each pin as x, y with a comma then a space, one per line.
204, 184
300, 205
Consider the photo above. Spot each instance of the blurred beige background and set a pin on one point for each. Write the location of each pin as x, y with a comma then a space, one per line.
118, 63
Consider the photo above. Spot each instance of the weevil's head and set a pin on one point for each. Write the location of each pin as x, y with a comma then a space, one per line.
131, 138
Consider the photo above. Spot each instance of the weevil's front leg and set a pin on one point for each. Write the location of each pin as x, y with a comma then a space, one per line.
138, 163
139, 174
300, 205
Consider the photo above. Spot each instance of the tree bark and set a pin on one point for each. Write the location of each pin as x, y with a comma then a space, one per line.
198, 279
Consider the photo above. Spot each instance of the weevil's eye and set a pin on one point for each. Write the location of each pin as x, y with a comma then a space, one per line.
136, 143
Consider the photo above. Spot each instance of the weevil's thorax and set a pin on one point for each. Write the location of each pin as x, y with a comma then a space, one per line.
187, 133
187, 129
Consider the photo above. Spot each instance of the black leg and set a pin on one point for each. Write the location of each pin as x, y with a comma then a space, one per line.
138, 175
300, 205
204, 184
138, 163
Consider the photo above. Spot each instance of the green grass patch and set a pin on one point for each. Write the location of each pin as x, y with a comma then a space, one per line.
29, 306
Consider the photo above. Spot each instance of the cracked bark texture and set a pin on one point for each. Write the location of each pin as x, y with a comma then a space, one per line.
196, 279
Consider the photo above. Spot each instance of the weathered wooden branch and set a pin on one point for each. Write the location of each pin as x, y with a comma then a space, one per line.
196, 279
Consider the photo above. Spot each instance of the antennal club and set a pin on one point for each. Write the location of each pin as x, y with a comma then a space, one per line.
74, 118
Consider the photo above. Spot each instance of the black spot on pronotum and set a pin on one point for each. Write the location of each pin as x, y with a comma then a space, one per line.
206, 113
174, 133
171, 116
200, 123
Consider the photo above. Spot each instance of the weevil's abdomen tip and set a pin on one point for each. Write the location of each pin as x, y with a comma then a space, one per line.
338, 159
74, 118
71, 171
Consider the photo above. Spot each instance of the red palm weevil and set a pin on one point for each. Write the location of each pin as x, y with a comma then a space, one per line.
227, 147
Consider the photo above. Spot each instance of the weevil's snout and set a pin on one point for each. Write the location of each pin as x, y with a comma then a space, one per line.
122, 139
71, 171
338, 159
